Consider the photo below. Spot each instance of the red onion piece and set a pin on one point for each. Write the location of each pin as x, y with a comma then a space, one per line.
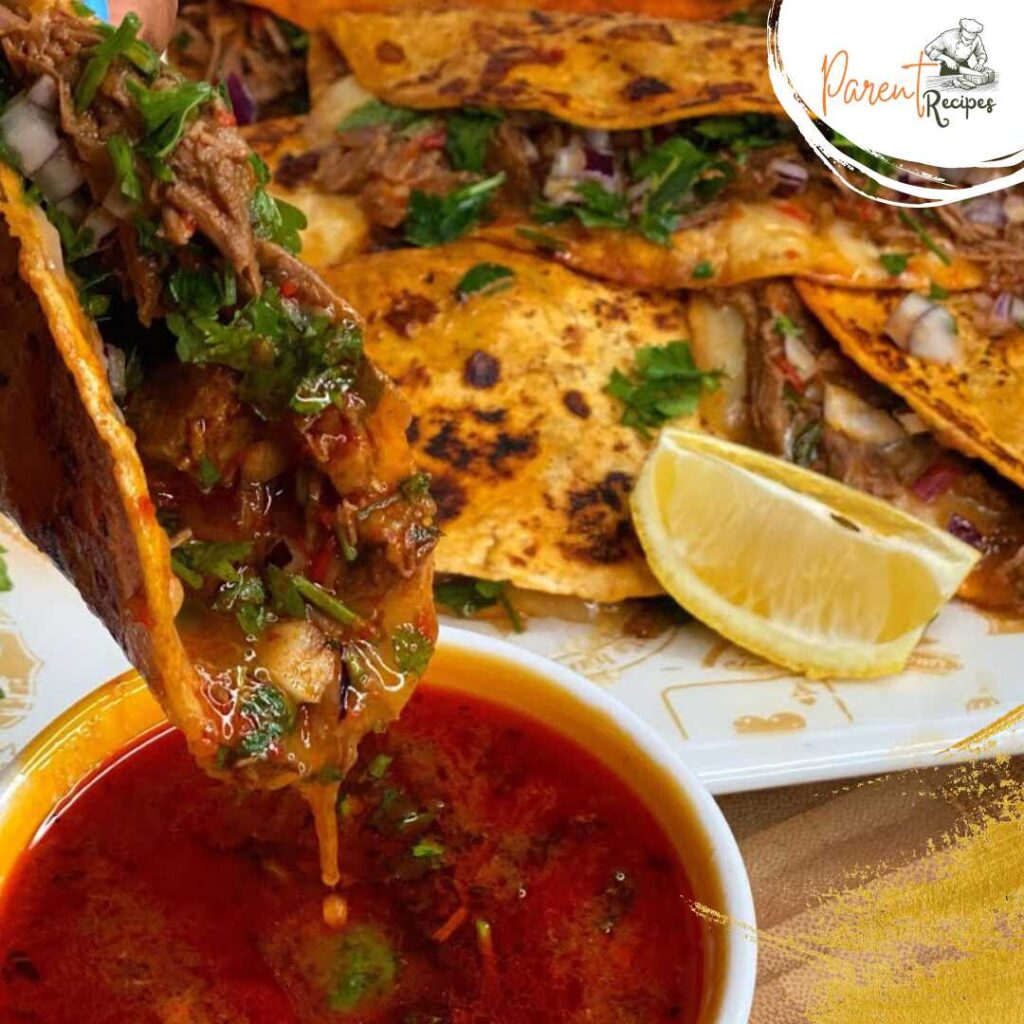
791, 177
903, 318
935, 481
599, 162
243, 103
963, 529
985, 210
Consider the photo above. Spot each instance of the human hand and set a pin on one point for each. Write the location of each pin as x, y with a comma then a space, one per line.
946, 59
157, 17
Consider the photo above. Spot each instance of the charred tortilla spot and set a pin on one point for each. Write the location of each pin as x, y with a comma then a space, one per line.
296, 169
447, 446
456, 87
449, 496
507, 446
612, 311
389, 52
600, 530
412, 432
643, 32
644, 86
576, 403
408, 311
540, 18
502, 61
481, 370
489, 415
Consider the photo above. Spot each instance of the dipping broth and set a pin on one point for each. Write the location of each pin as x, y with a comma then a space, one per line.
492, 871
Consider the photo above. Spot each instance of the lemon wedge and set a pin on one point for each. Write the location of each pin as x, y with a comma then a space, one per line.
795, 567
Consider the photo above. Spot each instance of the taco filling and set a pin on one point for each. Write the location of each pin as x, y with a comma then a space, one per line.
275, 452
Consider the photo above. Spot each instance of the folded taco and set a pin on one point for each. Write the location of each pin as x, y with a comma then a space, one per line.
191, 427
673, 168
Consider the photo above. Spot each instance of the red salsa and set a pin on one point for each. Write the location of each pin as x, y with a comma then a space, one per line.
492, 873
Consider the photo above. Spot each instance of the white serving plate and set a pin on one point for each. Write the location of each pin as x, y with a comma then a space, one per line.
738, 721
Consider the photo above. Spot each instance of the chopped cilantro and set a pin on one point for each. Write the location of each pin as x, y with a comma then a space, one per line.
5, 575
379, 766
75, 242
209, 474
484, 277
365, 968
600, 207
549, 213
468, 133
434, 219
246, 597
323, 599
415, 486
269, 715
937, 292
101, 56
287, 355
541, 239
703, 270
284, 597
123, 158
276, 220
197, 559
894, 262
181, 40
375, 112
165, 112
786, 328
743, 18
428, 849
204, 292
929, 243
412, 649
804, 448
465, 596
741, 133
665, 383
679, 176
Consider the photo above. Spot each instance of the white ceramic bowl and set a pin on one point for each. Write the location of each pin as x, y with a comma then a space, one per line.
109, 719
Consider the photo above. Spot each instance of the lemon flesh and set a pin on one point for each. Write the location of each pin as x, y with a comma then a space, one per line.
796, 567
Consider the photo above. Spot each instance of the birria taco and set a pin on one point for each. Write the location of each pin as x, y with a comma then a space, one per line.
190, 425
673, 168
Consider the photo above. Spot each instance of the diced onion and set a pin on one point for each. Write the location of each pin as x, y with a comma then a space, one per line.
800, 357
74, 208
1007, 310
59, 176
100, 223
1013, 205
117, 370
791, 177
243, 103
567, 171
912, 423
934, 338
117, 204
903, 318
44, 93
985, 210
29, 133
851, 415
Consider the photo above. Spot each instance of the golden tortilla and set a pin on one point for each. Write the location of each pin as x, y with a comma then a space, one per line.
742, 242
638, 71
531, 467
974, 407
79, 490
310, 15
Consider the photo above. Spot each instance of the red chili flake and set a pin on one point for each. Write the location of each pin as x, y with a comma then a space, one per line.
321, 563
433, 140
796, 212
224, 118
289, 289
145, 505
935, 481
788, 370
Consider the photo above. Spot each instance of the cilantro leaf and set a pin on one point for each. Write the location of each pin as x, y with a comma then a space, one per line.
123, 159
412, 649
894, 262
204, 292
5, 575
600, 207
320, 597
246, 597
428, 849
269, 715
484, 277
665, 383
804, 449
375, 112
101, 56
541, 239
284, 598
365, 968
929, 243
468, 133
465, 596
379, 766
742, 132
276, 220
197, 559
703, 270
209, 474
166, 111
434, 219
937, 292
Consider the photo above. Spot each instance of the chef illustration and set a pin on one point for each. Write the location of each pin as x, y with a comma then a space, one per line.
959, 47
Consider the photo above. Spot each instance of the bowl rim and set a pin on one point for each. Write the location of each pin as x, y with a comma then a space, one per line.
736, 936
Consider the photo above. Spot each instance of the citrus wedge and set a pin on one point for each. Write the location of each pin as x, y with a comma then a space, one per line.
795, 567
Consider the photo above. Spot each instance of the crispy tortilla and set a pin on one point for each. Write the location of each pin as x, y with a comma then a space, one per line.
531, 466
78, 490
310, 15
638, 71
747, 241
974, 407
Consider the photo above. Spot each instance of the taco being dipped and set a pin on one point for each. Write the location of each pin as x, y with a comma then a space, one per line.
672, 168
190, 421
